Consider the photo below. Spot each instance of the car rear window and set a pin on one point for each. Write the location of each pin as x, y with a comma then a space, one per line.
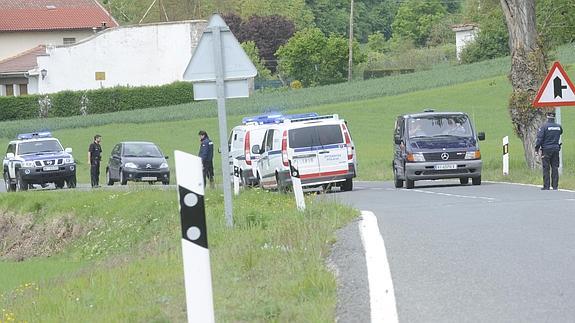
315, 136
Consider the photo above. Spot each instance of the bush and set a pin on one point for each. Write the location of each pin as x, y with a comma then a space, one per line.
296, 84
73, 103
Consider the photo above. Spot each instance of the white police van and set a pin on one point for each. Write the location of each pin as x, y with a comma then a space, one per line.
250, 133
320, 147
37, 158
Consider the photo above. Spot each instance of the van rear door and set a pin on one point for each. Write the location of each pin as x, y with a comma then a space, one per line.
305, 145
332, 157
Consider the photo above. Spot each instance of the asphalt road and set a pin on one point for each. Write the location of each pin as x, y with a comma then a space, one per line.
490, 253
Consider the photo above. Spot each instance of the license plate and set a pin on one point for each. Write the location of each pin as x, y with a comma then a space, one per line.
49, 168
445, 166
305, 161
149, 178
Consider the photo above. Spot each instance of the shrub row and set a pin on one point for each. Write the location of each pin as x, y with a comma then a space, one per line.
370, 74
72, 103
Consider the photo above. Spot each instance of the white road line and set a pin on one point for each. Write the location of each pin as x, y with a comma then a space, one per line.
491, 199
531, 185
381, 293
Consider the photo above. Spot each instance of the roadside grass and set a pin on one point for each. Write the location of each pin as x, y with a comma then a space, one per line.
270, 267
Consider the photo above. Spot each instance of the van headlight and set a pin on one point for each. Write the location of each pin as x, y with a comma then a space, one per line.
28, 164
69, 160
130, 165
164, 165
415, 157
476, 154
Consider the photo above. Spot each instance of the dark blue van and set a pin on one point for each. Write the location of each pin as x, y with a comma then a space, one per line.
436, 145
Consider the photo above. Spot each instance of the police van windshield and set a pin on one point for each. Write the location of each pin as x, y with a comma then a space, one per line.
439, 126
315, 136
141, 150
34, 147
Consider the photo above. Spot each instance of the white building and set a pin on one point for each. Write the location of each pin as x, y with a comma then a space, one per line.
142, 55
464, 34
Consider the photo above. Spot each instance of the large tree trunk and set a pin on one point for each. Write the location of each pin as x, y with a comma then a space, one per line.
528, 70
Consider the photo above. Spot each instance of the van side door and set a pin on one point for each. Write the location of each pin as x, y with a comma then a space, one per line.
399, 142
264, 161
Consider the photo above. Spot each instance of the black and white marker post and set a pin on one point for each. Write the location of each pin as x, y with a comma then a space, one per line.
236, 177
296, 184
196, 255
506, 155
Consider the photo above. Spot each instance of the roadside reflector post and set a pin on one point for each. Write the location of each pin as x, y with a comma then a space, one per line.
506, 155
236, 177
296, 185
195, 252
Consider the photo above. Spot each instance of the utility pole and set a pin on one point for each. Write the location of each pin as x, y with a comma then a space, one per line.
350, 63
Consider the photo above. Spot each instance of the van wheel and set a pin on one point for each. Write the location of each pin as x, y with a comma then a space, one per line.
9, 186
409, 184
347, 185
398, 182
59, 184
71, 181
464, 180
476, 180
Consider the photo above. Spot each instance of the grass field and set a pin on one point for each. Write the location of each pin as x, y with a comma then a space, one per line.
125, 263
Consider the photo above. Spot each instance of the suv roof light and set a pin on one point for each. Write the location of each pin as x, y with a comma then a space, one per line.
34, 135
273, 117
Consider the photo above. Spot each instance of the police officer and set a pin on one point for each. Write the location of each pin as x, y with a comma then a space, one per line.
207, 154
548, 147
94, 157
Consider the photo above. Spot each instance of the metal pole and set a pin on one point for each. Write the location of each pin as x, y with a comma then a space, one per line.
558, 120
221, 98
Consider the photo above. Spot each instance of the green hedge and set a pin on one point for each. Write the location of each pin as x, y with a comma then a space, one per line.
72, 103
370, 74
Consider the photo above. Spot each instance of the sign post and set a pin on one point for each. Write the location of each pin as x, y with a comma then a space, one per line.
296, 185
236, 177
556, 91
220, 69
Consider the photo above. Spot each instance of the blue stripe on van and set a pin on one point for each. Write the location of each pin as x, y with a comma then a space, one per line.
274, 152
313, 148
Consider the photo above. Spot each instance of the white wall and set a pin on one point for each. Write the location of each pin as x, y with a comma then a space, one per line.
462, 38
152, 54
12, 43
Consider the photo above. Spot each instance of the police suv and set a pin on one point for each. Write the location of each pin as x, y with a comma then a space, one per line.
319, 146
38, 158
250, 133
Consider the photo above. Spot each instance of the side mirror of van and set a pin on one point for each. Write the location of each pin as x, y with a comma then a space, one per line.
397, 140
256, 149
481, 136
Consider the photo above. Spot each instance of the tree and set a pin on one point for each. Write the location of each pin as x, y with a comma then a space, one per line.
415, 19
268, 33
528, 70
252, 52
314, 59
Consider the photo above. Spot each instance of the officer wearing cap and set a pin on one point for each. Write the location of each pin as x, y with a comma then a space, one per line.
548, 146
207, 154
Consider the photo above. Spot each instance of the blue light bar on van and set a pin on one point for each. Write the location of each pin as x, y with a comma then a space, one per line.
301, 115
34, 135
264, 118
317, 117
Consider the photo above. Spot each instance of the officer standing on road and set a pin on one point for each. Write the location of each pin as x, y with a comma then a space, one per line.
548, 147
94, 157
207, 154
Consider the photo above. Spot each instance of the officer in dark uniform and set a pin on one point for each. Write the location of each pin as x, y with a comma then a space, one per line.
94, 157
207, 154
548, 147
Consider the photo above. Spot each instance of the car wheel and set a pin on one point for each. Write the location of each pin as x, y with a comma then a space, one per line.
71, 181
280, 185
409, 184
9, 186
476, 180
398, 182
21, 185
123, 180
109, 179
166, 182
59, 184
151, 183
464, 180
347, 185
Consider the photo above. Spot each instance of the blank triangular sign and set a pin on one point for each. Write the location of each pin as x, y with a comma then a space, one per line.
236, 63
557, 89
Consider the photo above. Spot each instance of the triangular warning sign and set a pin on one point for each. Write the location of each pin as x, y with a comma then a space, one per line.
557, 89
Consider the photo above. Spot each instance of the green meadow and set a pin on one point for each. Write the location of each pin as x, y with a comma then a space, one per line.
119, 258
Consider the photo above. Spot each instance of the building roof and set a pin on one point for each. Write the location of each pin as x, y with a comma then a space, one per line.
28, 15
22, 62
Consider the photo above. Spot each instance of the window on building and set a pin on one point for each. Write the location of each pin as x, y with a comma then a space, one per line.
23, 89
69, 41
9, 90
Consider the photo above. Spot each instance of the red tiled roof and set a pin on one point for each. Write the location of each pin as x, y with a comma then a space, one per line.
20, 15
22, 62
